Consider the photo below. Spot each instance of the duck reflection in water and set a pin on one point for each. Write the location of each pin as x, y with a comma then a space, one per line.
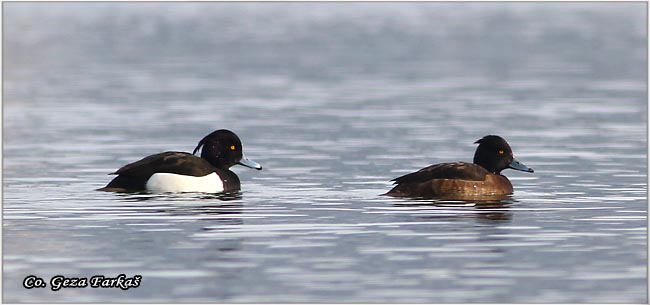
145, 196
483, 210
222, 207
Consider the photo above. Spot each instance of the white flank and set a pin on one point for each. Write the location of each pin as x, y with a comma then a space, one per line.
175, 183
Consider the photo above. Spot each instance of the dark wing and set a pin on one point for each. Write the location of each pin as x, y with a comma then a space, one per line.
456, 170
168, 162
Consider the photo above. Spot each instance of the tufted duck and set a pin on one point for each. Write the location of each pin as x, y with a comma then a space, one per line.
461, 180
184, 172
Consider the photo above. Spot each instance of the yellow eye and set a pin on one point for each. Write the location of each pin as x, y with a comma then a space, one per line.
232, 147
501, 152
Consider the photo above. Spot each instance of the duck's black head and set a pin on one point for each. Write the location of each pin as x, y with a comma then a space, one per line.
223, 149
494, 154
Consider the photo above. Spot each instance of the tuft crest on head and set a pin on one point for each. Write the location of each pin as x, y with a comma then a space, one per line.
221, 133
198, 146
491, 139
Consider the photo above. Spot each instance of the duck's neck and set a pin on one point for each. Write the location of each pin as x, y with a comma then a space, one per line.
485, 163
215, 160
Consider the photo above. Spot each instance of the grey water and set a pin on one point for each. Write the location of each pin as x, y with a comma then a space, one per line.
334, 100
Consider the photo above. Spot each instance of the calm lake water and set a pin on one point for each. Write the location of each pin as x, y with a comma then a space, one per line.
334, 100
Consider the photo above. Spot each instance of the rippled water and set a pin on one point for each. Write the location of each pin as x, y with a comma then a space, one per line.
334, 100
